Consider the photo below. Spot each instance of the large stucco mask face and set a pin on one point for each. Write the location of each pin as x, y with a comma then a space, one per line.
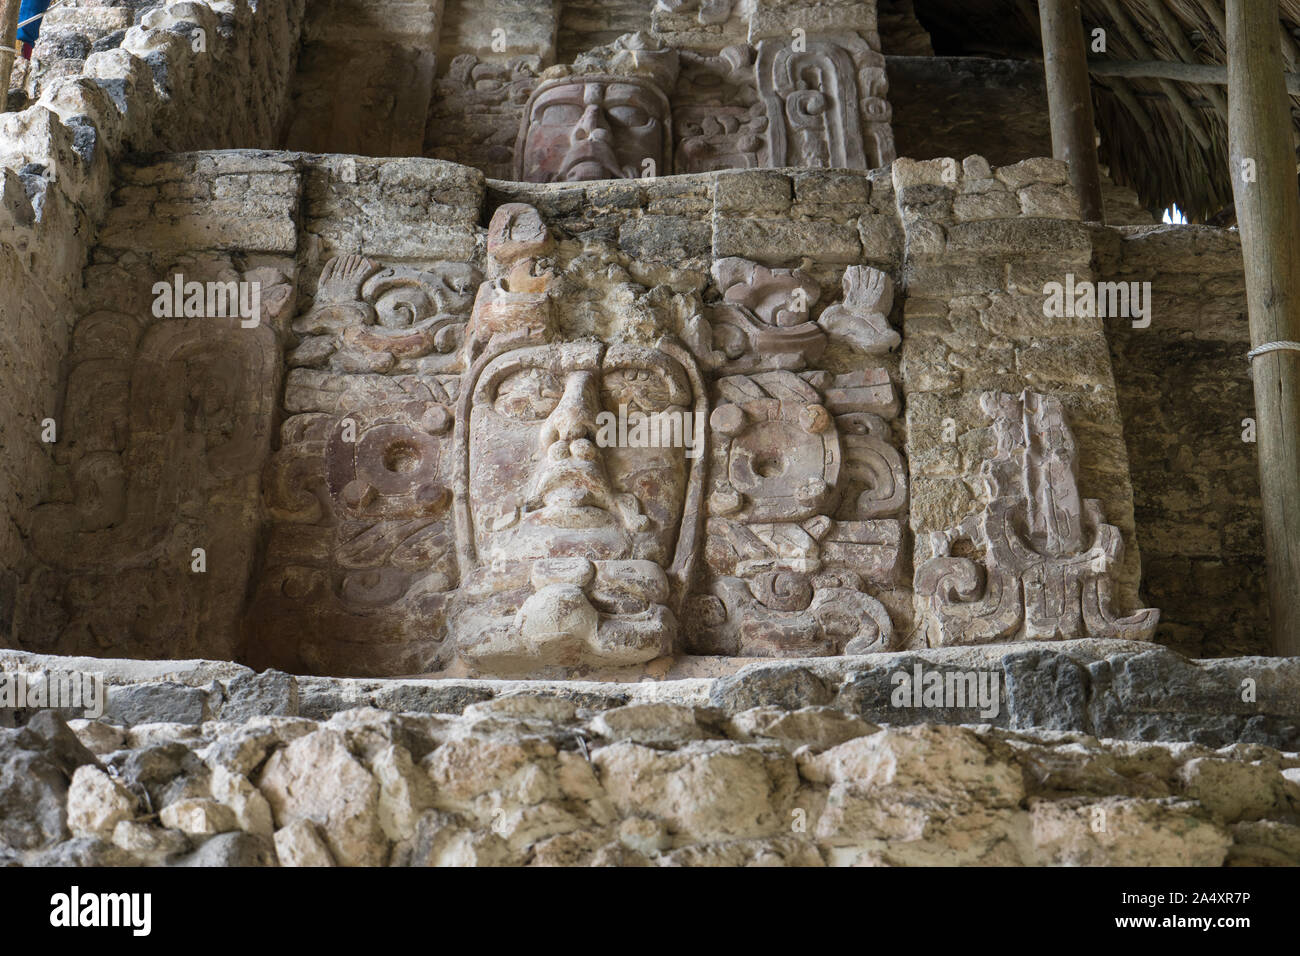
547, 474
594, 127
581, 473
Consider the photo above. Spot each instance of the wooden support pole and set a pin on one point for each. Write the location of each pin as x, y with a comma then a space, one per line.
1069, 100
1268, 212
8, 45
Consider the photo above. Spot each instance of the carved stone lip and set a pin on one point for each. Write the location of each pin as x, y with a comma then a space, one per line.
572, 495
572, 482
591, 153
570, 517
590, 171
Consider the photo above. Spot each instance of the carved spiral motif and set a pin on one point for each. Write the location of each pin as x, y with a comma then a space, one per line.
782, 590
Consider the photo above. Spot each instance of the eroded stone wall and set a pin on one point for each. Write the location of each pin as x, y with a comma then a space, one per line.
365, 78
943, 107
982, 246
108, 79
1187, 399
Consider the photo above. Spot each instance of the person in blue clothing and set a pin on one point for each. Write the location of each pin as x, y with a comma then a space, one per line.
29, 34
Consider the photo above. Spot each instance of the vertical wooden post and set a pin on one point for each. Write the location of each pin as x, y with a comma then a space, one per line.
1268, 212
1069, 100
8, 45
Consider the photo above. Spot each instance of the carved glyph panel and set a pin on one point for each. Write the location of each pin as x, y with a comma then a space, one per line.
1042, 558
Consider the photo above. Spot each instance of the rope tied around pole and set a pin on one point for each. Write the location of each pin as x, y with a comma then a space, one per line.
1272, 347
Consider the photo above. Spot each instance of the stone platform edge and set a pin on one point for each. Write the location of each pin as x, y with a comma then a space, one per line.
1110, 689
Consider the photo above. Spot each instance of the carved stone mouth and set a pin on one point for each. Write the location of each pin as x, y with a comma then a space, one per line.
576, 495
571, 483
567, 514
588, 162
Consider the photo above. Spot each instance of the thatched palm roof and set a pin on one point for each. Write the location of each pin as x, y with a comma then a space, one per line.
1166, 139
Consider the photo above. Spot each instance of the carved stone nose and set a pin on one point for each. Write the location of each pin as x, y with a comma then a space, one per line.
582, 449
592, 125
573, 426
573, 420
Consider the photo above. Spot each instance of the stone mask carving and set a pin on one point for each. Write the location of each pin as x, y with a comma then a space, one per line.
470, 492
594, 127
540, 484
573, 549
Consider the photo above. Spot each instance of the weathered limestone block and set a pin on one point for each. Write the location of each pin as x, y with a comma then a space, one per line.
147, 842
237, 201
526, 28
97, 803
776, 18
699, 24
236, 792
230, 849
820, 728
786, 242
651, 724
198, 818
419, 209
299, 844
1136, 832
316, 779
705, 791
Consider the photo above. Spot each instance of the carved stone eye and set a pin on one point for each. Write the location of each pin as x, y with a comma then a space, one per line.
641, 390
529, 395
561, 114
628, 116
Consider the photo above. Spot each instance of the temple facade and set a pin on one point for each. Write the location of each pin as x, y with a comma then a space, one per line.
379, 352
